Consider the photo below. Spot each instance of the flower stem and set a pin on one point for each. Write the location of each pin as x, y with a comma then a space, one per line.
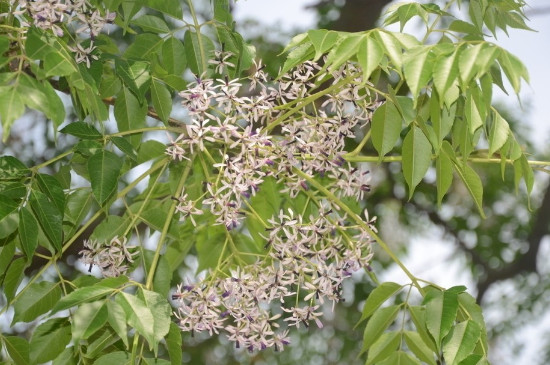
164, 233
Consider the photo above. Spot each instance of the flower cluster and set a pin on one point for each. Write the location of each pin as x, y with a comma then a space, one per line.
307, 258
308, 263
112, 258
239, 125
57, 15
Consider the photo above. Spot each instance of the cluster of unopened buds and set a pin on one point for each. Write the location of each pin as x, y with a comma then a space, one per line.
57, 15
306, 257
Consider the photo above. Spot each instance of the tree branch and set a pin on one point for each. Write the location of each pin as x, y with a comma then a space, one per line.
527, 262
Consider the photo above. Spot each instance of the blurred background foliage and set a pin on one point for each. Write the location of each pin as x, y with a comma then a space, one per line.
504, 254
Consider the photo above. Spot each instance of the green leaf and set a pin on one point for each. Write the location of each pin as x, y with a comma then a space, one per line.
12, 168
114, 282
445, 72
344, 51
392, 47
8, 226
198, 50
144, 46
53, 190
28, 231
472, 113
400, 358
88, 319
37, 299
514, 69
467, 62
473, 183
243, 54
161, 310
298, 55
468, 176
104, 169
406, 108
7, 252
417, 157
14, 276
384, 346
377, 297
87, 101
474, 359
407, 11
135, 75
38, 96
117, 357
476, 11
386, 126
4, 44
369, 55
442, 118
81, 130
78, 206
128, 10
222, 12
174, 344
418, 316
441, 313
124, 146
130, 114
67, 357
112, 225
13, 191
465, 27
296, 41
82, 295
419, 348
470, 309
418, 64
377, 324
162, 100
522, 169
11, 108
163, 274
49, 217
49, 340
56, 110
110, 85
151, 23
169, 7
444, 176
150, 150
209, 245
117, 320
106, 340
55, 64
173, 56
18, 349
7, 206
461, 342
138, 315
498, 133
151, 361
323, 40
37, 44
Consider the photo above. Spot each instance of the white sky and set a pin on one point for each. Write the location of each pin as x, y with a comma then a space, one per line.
533, 49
